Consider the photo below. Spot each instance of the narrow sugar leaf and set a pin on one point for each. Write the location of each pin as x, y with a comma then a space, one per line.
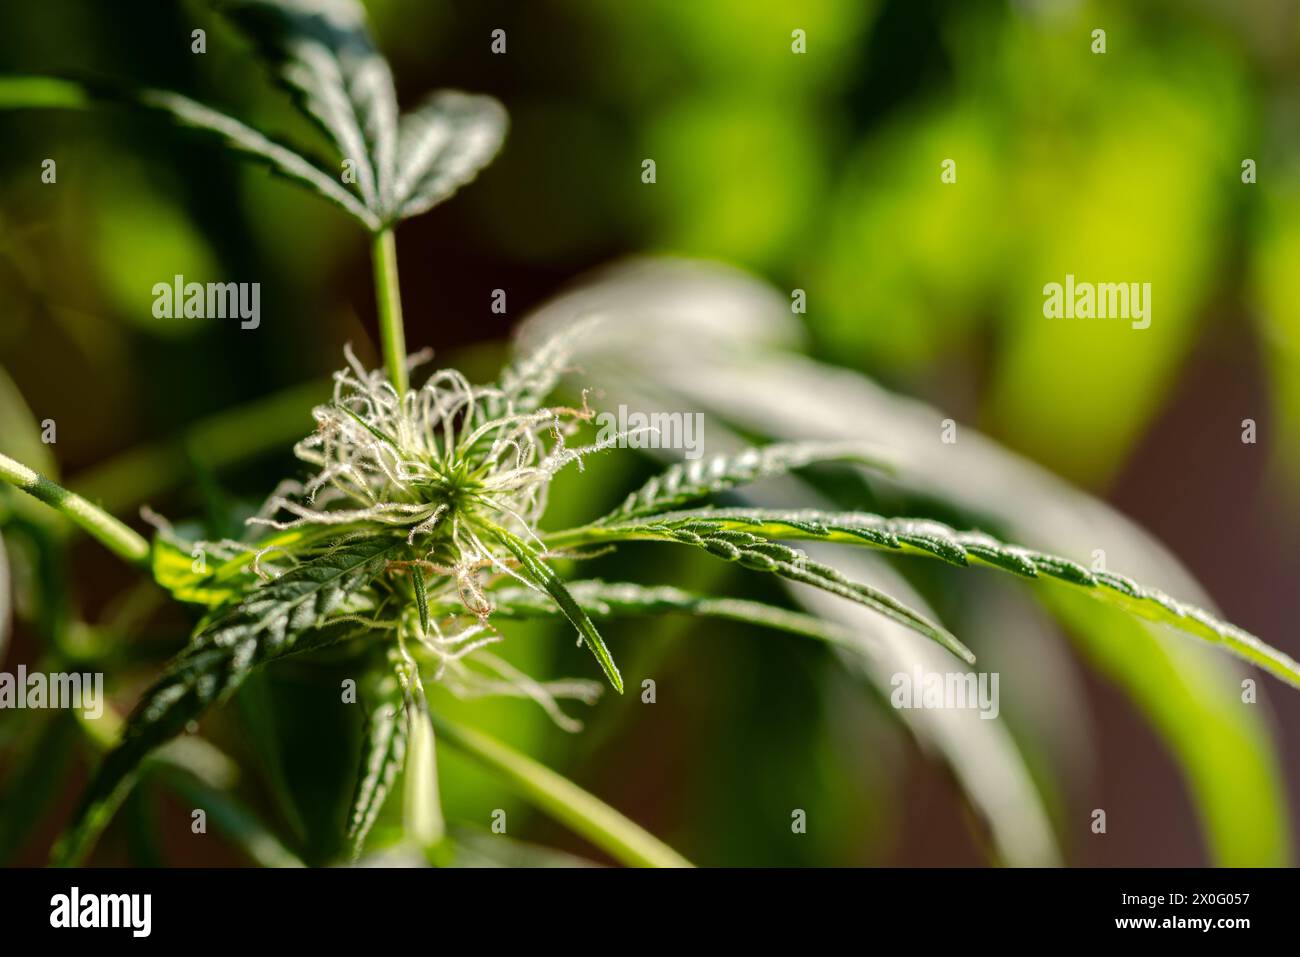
601, 599
421, 597
541, 574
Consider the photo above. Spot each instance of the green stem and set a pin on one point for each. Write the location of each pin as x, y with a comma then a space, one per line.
564, 800
120, 539
383, 253
421, 804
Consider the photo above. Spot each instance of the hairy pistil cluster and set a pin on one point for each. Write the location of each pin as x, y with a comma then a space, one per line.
451, 465
434, 458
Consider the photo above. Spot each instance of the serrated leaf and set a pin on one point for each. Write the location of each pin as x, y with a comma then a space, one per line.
203, 579
322, 53
741, 369
286, 616
383, 753
754, 551
686, 482
241, 138
174, 569
443, 143
421, 597
40, 91
936, 540
602, 599
541, 574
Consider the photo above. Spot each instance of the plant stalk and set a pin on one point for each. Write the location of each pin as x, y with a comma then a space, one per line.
388, 295
563, 800
117, 537
421, 804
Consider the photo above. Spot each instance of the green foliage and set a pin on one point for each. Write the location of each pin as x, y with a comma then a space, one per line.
721, 530
738, 378
344, 578
442, 143
388, 168
541, 575
616, 599
383, 753
289, 615
420, 528
691, 481
762, 554
225, 131
596, 821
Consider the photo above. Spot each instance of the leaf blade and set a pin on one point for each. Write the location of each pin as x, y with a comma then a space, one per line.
443, 144
322, 53
688, 481
601, 599
937, 540
544, 576
756, 553
17, 92
283, 617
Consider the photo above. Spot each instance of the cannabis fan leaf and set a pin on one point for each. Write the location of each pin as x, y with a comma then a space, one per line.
739, 534
387, 167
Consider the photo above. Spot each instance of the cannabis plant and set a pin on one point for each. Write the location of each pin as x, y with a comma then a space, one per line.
413, 537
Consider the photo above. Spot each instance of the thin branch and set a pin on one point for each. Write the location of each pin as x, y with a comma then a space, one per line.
563, 800
117, 537
392, 336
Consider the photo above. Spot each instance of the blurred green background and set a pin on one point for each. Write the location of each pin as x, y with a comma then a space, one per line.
818, 172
